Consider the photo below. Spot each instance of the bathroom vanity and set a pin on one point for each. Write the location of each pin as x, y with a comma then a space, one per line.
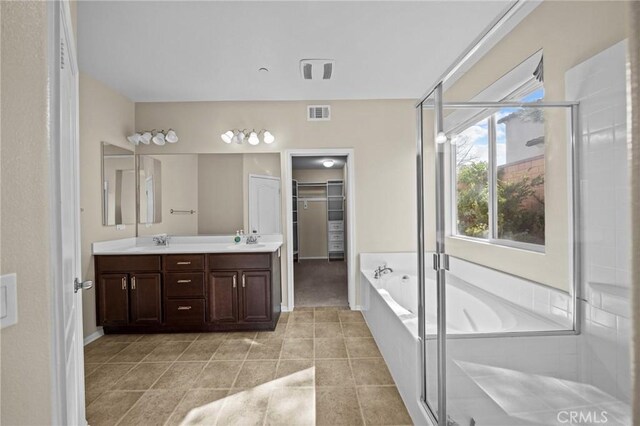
196, 286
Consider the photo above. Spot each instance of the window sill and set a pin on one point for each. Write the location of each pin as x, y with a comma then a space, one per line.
507, 244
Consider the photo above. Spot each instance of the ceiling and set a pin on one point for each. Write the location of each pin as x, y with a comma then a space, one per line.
211, 51
316, 162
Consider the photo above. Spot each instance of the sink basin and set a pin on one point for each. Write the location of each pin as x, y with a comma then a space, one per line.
247, 246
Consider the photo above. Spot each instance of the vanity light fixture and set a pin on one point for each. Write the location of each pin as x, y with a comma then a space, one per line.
252, 136
158, 137
328, 163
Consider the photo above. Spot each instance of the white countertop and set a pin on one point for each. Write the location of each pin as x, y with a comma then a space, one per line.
197, 244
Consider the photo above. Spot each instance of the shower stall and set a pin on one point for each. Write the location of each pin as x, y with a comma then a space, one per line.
524, 230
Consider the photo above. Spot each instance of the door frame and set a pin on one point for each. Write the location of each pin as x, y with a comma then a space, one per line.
57, 11
249, 205
350, 230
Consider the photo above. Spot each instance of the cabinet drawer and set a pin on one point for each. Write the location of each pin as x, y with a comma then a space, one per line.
185, 311
184, 284
129, 263
240, 261
336, 246
184, 262
336, 225
336, 236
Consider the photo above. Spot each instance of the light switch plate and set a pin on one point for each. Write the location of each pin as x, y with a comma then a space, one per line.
8, 300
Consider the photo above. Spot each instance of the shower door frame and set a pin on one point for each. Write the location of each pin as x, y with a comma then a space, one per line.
441, 258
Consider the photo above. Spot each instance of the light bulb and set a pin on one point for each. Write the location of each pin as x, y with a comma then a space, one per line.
134, 139
145, 138
158, 139
328, 163
441, 137
253, 138
240, 137
171, 137
268, 137
227, 136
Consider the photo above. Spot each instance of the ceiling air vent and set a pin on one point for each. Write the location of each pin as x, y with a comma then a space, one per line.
317, 69
318, 113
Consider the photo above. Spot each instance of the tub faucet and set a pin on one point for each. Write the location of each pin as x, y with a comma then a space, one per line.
382, 270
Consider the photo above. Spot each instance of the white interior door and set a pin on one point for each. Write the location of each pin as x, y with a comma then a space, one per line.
69, 373
264, 205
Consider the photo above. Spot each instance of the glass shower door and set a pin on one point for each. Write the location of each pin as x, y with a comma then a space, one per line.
509, 271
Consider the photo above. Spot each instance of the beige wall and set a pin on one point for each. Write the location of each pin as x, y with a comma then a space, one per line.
105, 116
568, 33
220, 175
384, 152
312, 221
25, 356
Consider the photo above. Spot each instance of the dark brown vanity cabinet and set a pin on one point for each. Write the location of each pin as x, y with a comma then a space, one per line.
240, 290
188, 292
128, 298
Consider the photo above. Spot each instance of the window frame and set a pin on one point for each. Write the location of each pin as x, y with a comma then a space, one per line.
489, 115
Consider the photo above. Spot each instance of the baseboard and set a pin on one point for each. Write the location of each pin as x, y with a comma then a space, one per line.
94, 336
314, 258
356, 308
284, 308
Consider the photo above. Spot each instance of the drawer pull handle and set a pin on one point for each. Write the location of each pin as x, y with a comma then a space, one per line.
124, 283
243, 281
234, 281
184, 281
183, 263
133, 283
184, 308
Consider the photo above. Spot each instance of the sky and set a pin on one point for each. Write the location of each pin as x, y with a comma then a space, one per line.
477, 135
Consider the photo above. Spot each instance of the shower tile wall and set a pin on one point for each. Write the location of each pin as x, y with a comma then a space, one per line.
601, 87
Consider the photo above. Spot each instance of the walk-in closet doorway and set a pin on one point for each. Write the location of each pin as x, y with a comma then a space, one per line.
319, 216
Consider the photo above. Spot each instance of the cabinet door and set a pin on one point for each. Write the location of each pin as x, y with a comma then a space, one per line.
113, 299
256, 296
146, 299
223, 297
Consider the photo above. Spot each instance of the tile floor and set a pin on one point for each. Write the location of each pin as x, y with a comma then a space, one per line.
320, 366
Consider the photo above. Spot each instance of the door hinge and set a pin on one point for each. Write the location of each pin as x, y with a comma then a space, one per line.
440, 261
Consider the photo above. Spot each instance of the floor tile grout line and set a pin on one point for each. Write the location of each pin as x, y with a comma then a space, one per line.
151, 386
224, 403
354, 381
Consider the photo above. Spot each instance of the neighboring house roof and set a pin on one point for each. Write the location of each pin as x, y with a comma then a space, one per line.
535, 141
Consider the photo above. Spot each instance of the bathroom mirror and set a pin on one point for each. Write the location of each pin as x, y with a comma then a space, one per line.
118, 186
202, 194
150, 189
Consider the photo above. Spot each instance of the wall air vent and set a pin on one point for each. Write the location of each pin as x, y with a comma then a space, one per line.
317, 69
318, 113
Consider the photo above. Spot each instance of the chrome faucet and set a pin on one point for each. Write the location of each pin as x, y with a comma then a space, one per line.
382, 270
161, 239
252, 239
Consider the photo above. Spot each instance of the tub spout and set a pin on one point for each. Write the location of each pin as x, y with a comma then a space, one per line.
382, 270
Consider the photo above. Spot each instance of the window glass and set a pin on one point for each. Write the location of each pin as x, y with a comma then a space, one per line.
516, 139
472, 180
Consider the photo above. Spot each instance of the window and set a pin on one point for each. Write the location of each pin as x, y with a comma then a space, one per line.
499, 176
